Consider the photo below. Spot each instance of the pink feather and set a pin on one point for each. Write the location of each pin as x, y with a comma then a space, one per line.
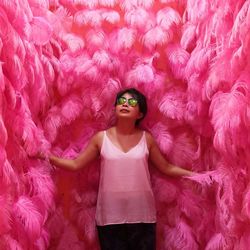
238, 23
217, 241
3, 132
73, 42
49, 72
180, 237
145, 3
70, 109
5, 218
103, 60
122, 39
41, 31
43, 242
69, 240
52, 122
131, 4
8, 175
96, 39
62, 63
41, 185
88, 3
173, 104
108, 3
27, 218
246, 204
7, 242
141, 73
178, 59
184, 150
163, 137
10, 95
88, 17
136, 17
157, 36
167, 17
111, 16
231, 122
166, 192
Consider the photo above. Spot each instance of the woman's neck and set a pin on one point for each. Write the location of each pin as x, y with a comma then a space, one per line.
125, 127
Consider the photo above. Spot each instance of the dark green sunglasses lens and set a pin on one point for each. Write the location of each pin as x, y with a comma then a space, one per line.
121, 100
132, 102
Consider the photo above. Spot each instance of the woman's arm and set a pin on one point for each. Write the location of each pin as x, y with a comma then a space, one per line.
86, 156
160, 162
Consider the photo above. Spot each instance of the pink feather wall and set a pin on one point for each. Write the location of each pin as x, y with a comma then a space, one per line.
61, 64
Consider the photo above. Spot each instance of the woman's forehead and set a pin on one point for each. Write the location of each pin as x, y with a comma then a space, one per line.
127, 95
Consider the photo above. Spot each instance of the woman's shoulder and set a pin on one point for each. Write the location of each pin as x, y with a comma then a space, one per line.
98, 137
149, 137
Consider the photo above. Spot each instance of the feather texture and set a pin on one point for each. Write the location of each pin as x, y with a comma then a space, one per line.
136, 17
157, 36
27, 217
178, 59
41, 31
61, 65
108, 3
111, 16
167, 17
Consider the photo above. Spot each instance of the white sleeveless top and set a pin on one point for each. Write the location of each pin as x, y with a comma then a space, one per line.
125, 194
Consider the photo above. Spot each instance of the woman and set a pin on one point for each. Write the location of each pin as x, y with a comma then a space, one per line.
125, 214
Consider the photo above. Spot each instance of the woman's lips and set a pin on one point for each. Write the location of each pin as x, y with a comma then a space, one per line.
124, 110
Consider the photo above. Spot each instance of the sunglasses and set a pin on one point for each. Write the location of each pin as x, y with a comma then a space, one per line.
131, 101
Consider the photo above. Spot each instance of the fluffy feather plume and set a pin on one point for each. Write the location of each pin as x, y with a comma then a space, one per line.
122, 39
8, 175
130, 4
217, 242
246, 204
88, 3
163, 137
3, 132
103, 60
167, 17
178, 59
73, 42
181, 237
172, 105
69, 240
27, 218
157, 36
111, 16
142, 73
96, 39
229, 117
90, 17
5, 217
70, 109
136, 17
61, 65
185, 148
41, 31
166, 192
108, 3
8, 243
41, 186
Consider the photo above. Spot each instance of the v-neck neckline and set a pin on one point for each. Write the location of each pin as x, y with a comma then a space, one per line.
119, 149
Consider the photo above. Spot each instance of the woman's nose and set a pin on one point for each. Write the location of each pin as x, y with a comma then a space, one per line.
125, 104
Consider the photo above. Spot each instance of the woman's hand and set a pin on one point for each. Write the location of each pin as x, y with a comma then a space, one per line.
42, 156
39, 156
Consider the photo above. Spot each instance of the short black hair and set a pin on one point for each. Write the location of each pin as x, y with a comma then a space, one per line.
142, 101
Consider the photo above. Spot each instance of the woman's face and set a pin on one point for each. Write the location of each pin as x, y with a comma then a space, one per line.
125, 110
